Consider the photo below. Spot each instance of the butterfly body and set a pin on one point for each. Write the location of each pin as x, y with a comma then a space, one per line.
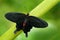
25, 22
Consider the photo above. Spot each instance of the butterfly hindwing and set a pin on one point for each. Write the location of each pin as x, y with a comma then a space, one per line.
15, 16
36, 22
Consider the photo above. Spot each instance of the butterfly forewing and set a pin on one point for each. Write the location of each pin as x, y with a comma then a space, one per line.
36, 22
15, 16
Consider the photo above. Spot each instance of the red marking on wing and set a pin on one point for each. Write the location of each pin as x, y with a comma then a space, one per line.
24, 24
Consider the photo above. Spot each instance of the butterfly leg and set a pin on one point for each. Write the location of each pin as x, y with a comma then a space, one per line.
17, 29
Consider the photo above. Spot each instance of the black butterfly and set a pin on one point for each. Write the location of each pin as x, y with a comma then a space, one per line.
25, 22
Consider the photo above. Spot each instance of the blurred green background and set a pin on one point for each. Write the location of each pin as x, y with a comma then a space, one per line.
52, 32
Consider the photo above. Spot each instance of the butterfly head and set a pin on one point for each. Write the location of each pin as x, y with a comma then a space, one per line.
27, 14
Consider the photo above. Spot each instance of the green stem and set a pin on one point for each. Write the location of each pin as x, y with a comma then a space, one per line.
41, 9
9, 35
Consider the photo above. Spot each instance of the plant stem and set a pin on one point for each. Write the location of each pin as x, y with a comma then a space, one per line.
41, 9
9, 35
